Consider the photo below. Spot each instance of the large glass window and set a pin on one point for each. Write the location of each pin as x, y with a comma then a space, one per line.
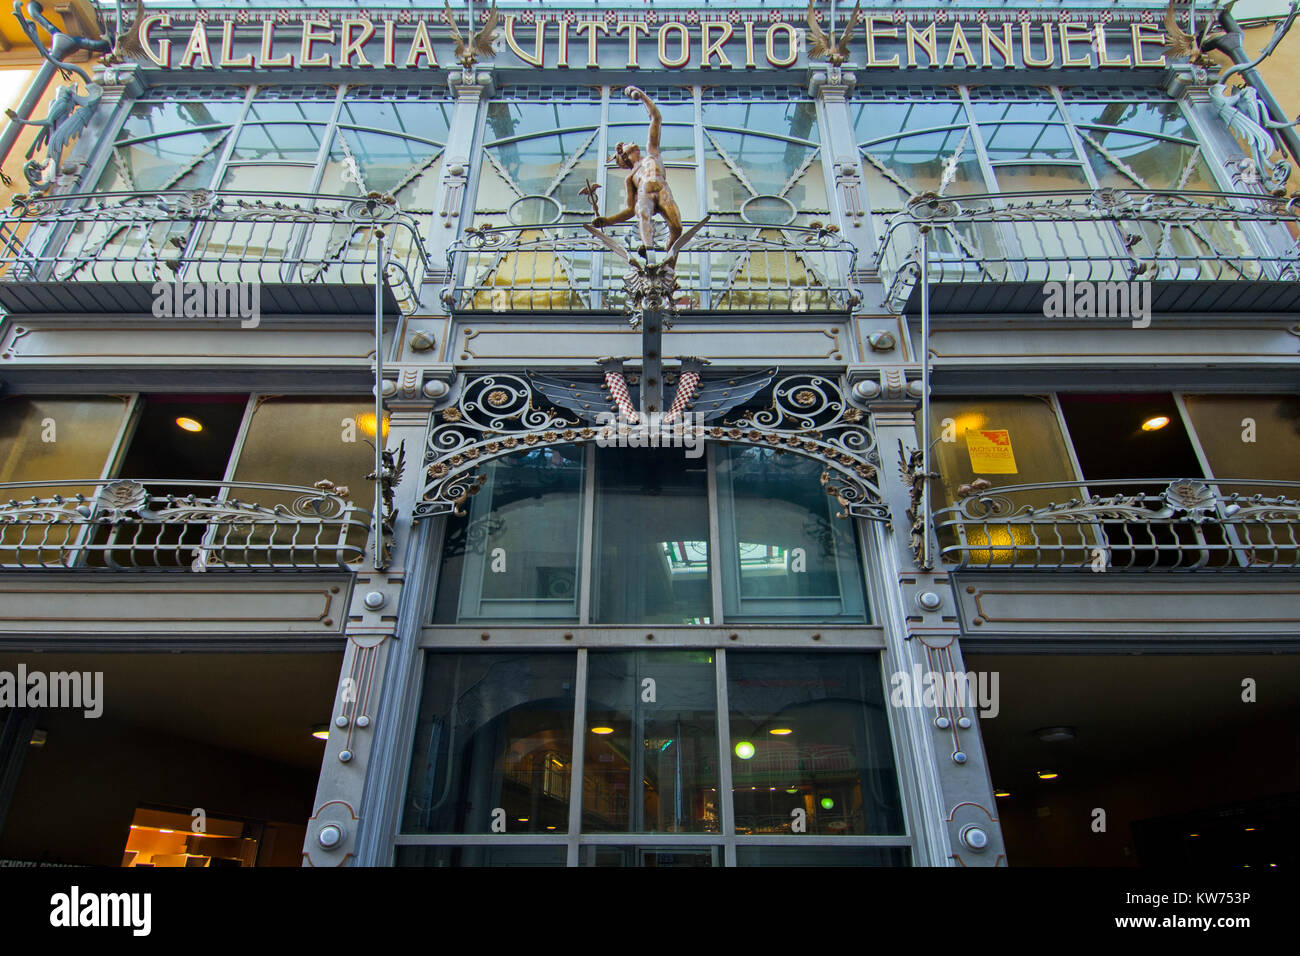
514, 555
776, 553
651, 743
494, 745
804, 737
790, 556
810, 748
180, 445
652, 534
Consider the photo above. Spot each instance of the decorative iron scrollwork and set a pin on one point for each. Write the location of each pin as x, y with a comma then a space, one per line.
494, 416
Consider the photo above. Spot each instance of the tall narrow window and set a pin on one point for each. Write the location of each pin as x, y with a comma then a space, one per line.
652, 539
651, 762
514, 555
788, 557
493, 746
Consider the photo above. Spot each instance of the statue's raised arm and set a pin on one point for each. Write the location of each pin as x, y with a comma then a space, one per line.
647, 184
656, 119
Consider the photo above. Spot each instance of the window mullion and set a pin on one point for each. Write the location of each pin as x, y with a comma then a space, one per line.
577, 761
725, 802
586, 537
236, 128
716, 567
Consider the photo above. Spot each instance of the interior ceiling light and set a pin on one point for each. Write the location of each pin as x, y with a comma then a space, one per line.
1047, 774
602, 730
189, 424
744, 750
1001, 793
321, 731
1155, 423
1054, 735
780, 731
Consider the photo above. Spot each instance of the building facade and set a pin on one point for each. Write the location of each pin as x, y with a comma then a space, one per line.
933, 501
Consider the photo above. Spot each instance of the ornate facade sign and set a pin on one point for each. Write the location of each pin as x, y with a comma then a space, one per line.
735, 40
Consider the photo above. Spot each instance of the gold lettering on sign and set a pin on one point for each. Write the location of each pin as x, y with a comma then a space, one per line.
630, 27
712, 47
228, 47
791, 48
925, 39
264, 58
390, 44
1028, 50
310, 36
683, 37
750, 62
164, 55
421, 46
1004, 46
198, 46
593, 28
353, 47
538, 56
958, 46
1103, 57
1068, 36
874, 33
563, 60
1139, 38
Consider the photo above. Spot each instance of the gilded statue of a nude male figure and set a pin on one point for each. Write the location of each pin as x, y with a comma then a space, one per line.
647, 184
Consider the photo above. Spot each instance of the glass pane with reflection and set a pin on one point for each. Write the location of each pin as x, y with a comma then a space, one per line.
788, 555
652, 534
651, 762
811, 751
493, 744
514, 556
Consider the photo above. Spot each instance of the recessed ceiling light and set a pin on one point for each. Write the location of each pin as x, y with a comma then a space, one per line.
1155, 423
1001, 793
780, 731
1054, 735
744, 750
189, 424
602, 730
1047, 774
321, 731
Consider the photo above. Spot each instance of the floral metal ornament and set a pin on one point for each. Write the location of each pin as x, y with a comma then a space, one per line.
1193, 497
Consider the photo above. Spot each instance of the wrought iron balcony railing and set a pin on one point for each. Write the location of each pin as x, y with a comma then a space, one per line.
995, 252
106, 252
1131, 524
179, 524
732, 267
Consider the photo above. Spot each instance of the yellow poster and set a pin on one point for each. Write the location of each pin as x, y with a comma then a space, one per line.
990, 452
